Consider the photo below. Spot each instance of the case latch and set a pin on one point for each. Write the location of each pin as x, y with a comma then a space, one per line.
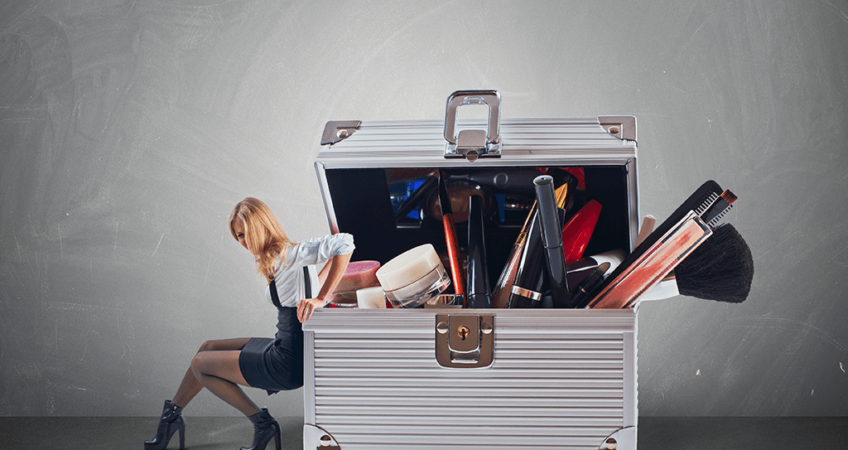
473, 144
465, 340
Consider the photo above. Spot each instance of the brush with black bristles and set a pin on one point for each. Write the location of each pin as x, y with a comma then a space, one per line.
721, 269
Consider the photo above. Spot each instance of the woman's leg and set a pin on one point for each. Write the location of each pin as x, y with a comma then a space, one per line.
219, 372
190, 385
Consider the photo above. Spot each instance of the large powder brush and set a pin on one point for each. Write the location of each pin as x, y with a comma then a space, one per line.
721, 269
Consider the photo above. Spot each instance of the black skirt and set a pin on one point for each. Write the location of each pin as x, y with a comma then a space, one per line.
275, 364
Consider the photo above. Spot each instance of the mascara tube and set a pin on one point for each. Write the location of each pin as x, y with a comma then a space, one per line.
531, 278
564, 182
551, 229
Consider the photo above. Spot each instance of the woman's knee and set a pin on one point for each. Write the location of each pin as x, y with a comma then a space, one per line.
196, 365
222, 345
211, 346
206, 346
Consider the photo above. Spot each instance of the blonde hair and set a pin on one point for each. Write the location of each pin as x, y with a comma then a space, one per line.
263, 234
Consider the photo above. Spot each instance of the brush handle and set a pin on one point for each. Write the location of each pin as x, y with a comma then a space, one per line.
653, 264
687, 207
450, 236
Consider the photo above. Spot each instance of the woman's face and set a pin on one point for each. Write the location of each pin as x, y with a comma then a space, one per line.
238, 227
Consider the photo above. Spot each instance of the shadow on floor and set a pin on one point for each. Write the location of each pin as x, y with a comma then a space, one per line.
229, 433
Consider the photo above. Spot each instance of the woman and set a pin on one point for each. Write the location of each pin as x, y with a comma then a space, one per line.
270, 364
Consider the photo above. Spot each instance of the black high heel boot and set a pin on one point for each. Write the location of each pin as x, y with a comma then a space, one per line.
264, 428
171, 421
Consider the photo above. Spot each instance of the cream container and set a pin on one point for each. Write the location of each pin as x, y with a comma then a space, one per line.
372, 297
414, 277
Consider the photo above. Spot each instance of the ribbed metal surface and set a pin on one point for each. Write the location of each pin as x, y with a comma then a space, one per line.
525, 142
558, 381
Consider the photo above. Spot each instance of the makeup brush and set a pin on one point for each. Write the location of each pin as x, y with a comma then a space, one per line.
675, 239
720, 269
450, 235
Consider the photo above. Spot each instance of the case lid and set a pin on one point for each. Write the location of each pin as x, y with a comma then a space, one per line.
371, 171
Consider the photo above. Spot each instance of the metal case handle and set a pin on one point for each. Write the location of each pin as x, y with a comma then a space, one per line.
472, 144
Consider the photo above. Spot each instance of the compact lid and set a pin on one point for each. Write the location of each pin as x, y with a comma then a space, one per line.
408, 267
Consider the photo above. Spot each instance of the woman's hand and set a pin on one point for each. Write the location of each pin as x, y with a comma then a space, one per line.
306, 306
334, 270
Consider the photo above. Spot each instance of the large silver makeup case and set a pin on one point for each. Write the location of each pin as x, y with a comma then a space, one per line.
543, 378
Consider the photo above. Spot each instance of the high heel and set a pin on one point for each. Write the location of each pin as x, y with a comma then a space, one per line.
264, 428
171, 421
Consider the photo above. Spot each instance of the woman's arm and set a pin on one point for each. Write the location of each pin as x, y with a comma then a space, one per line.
337, 266
322, 275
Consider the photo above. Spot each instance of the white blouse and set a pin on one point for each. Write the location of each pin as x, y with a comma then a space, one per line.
289, 277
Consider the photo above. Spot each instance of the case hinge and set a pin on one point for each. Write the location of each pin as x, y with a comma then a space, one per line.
465, 340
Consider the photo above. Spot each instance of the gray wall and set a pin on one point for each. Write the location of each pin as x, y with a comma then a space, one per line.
130, 129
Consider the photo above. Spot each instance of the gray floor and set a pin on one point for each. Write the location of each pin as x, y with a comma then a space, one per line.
213, 433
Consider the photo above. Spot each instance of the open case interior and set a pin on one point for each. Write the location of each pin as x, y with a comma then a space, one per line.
391, 210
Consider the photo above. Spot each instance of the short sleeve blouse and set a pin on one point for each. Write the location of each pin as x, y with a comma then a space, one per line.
289, 275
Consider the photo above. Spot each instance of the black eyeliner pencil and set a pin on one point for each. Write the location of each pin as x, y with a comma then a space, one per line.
478, 276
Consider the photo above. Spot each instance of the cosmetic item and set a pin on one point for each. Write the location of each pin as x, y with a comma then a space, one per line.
458, 190
450, 235
372, 297
578, 271
578, 230
509, 180
449, 301
358, 275
503, 287
531, 276
580, 297
721, 269
551, 229
416, 197
688, 227
478, 276
413, 277
646, 229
